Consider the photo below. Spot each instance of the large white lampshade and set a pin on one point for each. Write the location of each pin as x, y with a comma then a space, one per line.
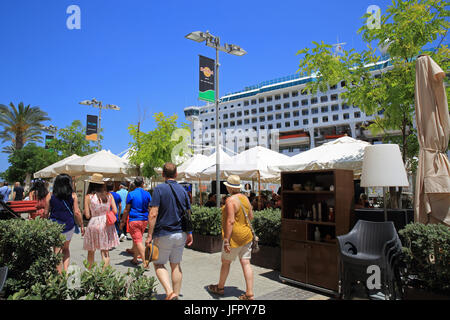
383, 167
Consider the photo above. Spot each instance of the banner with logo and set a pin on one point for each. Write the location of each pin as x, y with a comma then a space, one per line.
206, 80
48, 139
91, 128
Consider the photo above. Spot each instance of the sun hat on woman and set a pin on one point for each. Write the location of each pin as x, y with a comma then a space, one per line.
97, 178
234, 182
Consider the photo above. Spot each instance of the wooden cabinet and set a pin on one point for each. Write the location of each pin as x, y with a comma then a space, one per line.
307, 197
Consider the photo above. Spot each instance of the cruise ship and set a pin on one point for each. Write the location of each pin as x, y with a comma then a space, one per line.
281, 115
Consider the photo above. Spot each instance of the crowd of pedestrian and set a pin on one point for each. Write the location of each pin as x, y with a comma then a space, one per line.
137, 212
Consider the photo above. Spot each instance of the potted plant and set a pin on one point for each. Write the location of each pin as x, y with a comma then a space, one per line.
267, 225
207, 231
426, 258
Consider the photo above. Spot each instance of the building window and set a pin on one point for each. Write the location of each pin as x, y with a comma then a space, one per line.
246, 103
305, 112
262, 119
324, 99
287, 115
232, 124
333, 87
346, 116
254, 120
315, 120
239, 114
278, 125
277, 97
304, 102
335, 107
270, 117
345, 106
232, 115
305, 121
261, 110
225, 116
239, 122
254, 101
324, 109
295, 104
287, 124
294, 93
313, 100
269, 98
286, 95
213, 126
269, 108
278, 116
278, 107
325, 119
261, 100
334, 97
287, 105
296, 123
253, 111
270, 126
246, 121
304, 92
343, 84
225, 124
314, 110
335, 117
296, 114
246, 112
357, 114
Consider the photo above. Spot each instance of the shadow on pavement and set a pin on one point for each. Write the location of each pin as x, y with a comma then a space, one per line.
228, 292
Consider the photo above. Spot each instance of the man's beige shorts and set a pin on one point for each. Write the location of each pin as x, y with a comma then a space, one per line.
244, 253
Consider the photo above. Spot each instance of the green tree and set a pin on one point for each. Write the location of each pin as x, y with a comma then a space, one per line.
407, 28
154, 148
20, 125
28, 160
72, 140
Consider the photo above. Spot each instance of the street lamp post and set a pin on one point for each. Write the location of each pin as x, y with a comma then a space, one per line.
214, 42
100, 106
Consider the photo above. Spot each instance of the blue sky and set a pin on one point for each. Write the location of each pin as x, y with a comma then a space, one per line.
134, 51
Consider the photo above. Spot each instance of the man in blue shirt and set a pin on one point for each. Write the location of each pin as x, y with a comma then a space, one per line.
4, 192
137, 207
164, 226
123, 192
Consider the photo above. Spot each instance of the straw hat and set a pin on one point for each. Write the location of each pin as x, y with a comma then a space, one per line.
97, 178
234, 182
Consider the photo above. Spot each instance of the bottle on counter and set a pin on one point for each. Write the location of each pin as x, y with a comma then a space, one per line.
317, 234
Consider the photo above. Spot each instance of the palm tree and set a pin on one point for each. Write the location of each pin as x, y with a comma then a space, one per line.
21, 125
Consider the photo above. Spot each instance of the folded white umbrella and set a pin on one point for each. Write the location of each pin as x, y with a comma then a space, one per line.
49, 172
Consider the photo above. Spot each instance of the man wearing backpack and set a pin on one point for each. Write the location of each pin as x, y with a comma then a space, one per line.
169, 203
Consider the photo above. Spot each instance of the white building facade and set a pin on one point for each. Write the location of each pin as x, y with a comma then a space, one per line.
282, 116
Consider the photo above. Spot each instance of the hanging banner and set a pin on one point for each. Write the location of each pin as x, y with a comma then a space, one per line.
48, 139
206, 80
91, 128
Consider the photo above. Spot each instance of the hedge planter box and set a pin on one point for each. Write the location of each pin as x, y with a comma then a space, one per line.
412, 293
209, 244
267, 257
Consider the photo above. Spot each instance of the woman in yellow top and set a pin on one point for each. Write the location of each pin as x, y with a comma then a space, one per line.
237, 238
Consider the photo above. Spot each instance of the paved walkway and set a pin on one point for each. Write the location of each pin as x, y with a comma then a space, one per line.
201, 269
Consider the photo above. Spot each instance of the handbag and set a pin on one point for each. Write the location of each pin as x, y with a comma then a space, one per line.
77, 229
110, 218
151, 254
186, 223
255, 245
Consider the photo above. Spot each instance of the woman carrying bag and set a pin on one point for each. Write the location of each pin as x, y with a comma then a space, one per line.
99, 234
62, 207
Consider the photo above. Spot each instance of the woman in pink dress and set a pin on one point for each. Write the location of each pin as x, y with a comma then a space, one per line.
98, 235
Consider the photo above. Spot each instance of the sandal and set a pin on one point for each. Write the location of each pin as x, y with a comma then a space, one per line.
246, 297
214, 288
171, 296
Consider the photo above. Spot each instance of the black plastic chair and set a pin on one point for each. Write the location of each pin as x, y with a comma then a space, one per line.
3, 276
368, 243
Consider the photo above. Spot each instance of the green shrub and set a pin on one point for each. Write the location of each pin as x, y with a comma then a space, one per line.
206, 221
26, 248
267, 225
96, 284
427, 255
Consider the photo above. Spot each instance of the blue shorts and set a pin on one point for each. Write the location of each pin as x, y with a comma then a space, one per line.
170, 248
